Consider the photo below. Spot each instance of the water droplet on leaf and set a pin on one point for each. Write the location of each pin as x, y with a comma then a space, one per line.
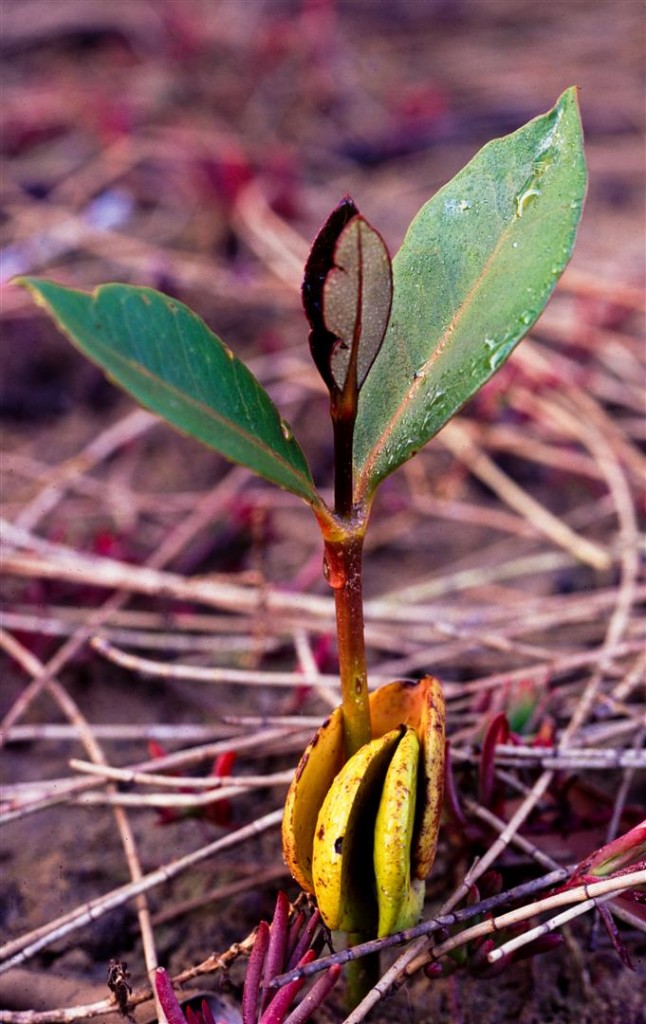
526, 196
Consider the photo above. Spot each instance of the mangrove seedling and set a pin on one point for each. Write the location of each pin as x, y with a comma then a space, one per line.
401, 346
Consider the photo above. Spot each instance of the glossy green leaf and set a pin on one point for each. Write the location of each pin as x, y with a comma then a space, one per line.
164, 355
474, 272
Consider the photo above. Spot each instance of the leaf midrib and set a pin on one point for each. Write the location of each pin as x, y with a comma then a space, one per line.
409, 396
212, 414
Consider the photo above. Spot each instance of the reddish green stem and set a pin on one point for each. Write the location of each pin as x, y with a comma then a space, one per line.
343, 558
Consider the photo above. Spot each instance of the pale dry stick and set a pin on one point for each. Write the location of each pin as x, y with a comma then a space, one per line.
18, 790
170, 761
416, 955
65, 564
137, 255
154, 622
556, 922
50, 625
85, 487
618, 810
34, 667
431, 656
605, 732
100, 448
65, 1015
261, 678
517, 840
106, 166
556, 456
20, 950
585, 896
631, 680
590, 285
181, 733
602, 760
197, 673
21, 980
234, 643
427, 928
219, 789
62, 563
619, 353
581, 421
541, 673
407, 964
465, 512
286, 721
600, 757
613, 634
106, 1007
594, 892
535, 794
535, 615
271, 238
619, 357
142, 778
307, 661
541, 360
395, 604
108, 493
636, 711
139, 774
611, 388
259, 743
523, 620
458, 439
186, 801
283, 627
544, 610
68, 564
559, 610
172, 545
513, 782
501, 640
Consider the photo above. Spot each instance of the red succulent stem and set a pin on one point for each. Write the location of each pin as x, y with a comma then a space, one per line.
343, 570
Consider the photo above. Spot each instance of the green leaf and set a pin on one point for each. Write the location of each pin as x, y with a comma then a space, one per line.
164, 355
474, 272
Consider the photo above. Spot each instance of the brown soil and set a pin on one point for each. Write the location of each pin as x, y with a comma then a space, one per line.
185, 125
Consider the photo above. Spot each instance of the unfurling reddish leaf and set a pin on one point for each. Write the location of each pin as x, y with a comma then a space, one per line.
347, 295
314, 998
167, 998
283, 999
620, 854
319, 264
253, 977
276, 951
219, 813
497, 732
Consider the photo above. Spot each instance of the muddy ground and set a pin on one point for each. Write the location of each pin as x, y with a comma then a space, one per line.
153, 142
